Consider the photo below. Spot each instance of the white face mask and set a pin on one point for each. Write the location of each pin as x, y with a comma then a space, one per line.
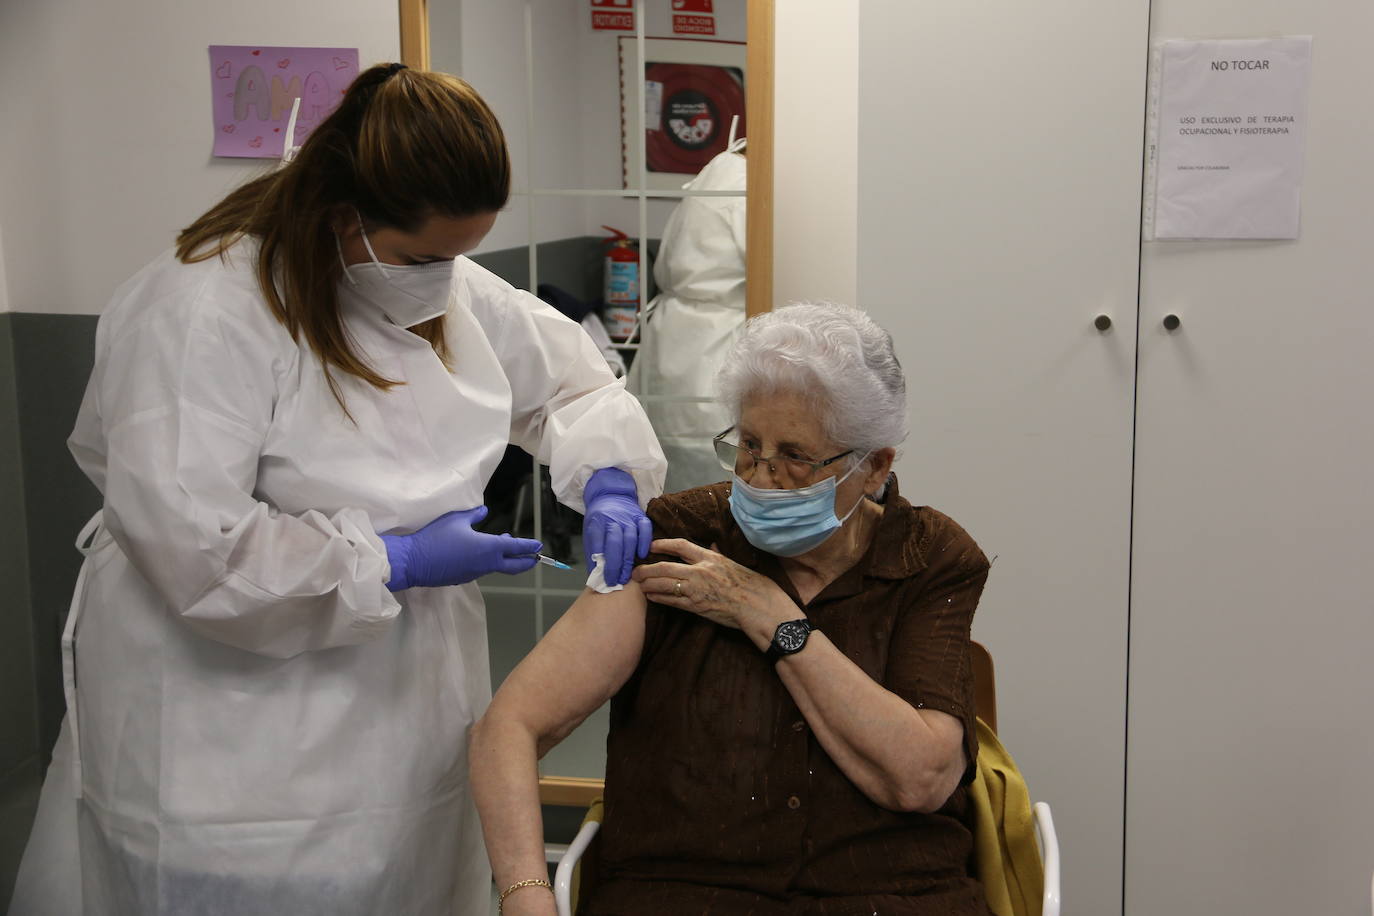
408, 294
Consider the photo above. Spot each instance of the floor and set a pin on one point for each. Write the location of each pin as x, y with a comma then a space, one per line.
18, 802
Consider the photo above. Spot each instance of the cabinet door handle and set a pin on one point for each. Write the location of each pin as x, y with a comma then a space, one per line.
1102, 322
1171, 322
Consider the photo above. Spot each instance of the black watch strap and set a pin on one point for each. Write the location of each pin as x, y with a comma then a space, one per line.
790, 638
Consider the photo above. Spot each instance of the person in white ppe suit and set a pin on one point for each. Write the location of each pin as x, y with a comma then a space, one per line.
691, 323
277, 643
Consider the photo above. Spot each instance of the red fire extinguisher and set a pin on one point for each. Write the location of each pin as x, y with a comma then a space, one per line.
621, 286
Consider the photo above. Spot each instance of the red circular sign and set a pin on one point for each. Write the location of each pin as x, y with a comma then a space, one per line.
697, 103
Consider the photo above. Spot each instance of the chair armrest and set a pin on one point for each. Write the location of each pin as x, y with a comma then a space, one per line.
1049, 855
563, 877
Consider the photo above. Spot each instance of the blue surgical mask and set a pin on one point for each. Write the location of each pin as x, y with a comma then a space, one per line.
788, 523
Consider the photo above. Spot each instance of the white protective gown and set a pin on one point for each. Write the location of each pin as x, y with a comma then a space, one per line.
693, 320
261, 726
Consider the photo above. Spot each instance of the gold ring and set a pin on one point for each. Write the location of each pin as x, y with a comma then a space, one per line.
677, 589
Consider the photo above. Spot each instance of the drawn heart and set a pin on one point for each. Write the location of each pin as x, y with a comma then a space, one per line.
255, 142
340, 63
224, 70
256, 53
228, 128
283, 63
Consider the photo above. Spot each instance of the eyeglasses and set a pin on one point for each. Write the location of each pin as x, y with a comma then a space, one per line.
789, 469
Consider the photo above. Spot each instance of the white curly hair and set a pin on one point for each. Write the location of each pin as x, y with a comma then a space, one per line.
833, 354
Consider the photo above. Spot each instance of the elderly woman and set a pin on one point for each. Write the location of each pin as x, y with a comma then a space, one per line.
791, 699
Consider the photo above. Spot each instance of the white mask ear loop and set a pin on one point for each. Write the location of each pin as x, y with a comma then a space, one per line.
735, 143
370, 253
338, 246
862, 496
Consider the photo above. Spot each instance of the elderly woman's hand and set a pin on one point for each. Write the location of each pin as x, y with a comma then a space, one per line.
717, 588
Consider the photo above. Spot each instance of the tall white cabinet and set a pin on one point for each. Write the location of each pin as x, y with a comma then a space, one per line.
1182, 519
999, 176
1250, 741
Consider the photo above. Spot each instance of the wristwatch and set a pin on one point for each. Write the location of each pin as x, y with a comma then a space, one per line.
789, 638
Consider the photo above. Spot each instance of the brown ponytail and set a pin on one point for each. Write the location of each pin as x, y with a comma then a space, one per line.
403, 146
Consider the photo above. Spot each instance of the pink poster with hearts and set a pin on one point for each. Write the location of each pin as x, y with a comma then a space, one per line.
254, 87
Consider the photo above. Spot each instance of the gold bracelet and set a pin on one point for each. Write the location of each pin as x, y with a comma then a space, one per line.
532, 882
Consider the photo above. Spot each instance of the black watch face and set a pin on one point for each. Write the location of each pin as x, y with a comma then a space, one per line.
791, 636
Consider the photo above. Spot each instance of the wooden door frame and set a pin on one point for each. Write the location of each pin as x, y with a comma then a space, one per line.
758, 214
415, 33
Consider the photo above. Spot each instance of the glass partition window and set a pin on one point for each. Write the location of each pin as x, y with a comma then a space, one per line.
620, 129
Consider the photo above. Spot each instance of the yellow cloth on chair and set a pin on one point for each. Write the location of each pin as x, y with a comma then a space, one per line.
1006, 857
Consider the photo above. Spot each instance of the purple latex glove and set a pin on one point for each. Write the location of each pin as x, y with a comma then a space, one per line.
614, 524
448, 551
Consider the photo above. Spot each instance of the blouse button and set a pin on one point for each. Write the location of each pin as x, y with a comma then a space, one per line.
799, 725
794, 803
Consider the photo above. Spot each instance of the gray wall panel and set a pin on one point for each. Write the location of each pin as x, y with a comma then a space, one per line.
18, 802
53, 358
18, 722
20, 757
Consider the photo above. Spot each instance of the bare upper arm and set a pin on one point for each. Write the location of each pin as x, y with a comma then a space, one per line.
579, 664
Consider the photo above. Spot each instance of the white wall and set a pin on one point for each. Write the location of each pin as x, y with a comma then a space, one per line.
107, 131
816, 137
105, 153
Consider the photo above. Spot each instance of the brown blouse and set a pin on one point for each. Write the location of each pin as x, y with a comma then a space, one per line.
719, 800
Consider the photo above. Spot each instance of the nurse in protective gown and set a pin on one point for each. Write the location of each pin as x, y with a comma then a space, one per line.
277, 643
